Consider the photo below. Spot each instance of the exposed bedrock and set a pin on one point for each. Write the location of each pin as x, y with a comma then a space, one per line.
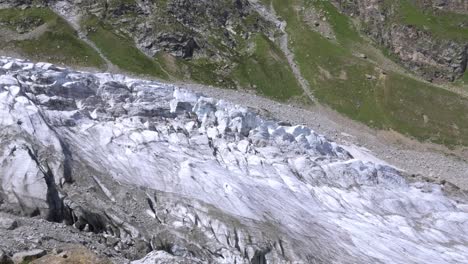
433, 57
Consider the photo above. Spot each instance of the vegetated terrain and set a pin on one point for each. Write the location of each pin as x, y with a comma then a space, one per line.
263, 69
440, 23
121, 50
267, 70
427, 37
239, 56
346, 71
365, 90
40, 34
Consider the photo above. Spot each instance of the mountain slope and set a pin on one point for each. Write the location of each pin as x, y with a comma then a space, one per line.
345, 73
40, 34
429, 37
297, 51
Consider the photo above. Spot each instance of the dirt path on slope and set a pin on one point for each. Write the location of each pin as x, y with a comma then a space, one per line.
66, 11
10, 35
270, 15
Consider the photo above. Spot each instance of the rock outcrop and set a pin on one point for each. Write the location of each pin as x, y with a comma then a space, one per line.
183, 28
458, 6
8, 223
436, 59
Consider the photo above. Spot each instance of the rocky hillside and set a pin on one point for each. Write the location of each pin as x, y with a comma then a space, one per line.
371, 60
426, 36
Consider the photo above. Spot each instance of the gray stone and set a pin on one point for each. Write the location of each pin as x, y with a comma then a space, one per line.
26, 256
370, 77
112, 241
4, 258
8, 224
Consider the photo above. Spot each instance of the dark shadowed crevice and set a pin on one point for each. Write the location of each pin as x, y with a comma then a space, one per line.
259, 257
67, 163
55, 210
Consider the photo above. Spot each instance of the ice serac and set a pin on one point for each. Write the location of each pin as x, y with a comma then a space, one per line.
193, 179
32, 157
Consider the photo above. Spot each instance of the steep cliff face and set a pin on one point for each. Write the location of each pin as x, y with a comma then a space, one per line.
410, 30
183, 28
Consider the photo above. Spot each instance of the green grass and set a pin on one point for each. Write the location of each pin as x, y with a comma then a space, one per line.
463, 81
339, 22
58, 44
268, 71
406, 101
391, 101
16, 19
465, 77
206, 72
265, 70
121, 2
443, 24
120, 50
201, 71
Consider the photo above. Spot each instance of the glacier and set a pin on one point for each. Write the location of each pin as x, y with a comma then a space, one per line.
202, 180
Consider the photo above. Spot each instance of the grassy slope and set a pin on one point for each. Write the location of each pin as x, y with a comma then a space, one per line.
265, 69
59, 44
121, 50
465, 77
198, 70
391, 101
268, 70
444, 25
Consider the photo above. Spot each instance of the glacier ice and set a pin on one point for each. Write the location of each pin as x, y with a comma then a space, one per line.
255, 190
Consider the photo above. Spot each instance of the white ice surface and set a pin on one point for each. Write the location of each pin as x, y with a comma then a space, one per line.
309, 187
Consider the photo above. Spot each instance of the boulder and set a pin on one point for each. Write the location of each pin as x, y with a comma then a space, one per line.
28, 256
73, 254
8, 224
